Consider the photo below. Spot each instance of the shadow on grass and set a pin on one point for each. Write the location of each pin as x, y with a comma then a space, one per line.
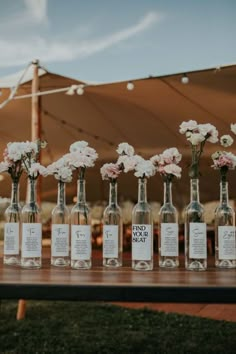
75, 327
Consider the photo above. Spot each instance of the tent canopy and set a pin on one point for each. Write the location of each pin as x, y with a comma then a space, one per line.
148, 117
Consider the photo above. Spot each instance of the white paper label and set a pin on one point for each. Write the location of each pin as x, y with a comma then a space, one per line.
110, 241
142, 242
60, 240
31, 240
169, 239
80, 242
226, 242
197, 240
11, 238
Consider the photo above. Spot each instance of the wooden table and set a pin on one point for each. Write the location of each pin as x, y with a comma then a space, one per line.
99, 284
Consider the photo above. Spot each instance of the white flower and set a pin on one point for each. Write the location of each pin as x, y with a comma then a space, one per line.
226, 140
61, 170
145, 168
233, 128
64, 174
129, 162
196, 138
187, 126
110, 170
172, 169
208, 129
78, 146
14, 151
37, 169
171, 155
29, 147
4, 166
125, 149
155, 160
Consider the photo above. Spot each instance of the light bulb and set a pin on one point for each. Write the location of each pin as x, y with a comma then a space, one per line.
184, 79
130, 86
80, 90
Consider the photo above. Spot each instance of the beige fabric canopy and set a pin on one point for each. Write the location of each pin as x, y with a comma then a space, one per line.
148, 117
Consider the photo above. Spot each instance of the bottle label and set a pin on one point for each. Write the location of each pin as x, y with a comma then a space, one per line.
226, 242
11, 238
110, 241
80, 242
142, 242
169, 239
31, 240
197, 240
60, 240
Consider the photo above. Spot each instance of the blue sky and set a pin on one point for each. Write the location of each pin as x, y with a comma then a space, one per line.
112, 40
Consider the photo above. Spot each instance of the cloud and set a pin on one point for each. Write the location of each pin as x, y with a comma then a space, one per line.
37, 9
14, 53
34, 13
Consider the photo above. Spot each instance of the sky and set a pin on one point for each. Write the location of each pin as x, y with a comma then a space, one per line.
115, 40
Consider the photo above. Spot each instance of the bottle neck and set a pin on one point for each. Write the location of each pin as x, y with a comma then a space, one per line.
194, 190
113, 193
167, 192
15, 193
81, 195
224, 196
31, 197
142, 190
61, 194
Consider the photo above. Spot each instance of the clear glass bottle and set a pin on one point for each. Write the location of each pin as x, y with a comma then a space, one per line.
112, 230
195, 232
168, 235
142, 231
81, 247
31, 244
60, 235
11, 253
225, 256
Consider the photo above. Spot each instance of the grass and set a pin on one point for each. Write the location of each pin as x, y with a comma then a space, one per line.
75, 327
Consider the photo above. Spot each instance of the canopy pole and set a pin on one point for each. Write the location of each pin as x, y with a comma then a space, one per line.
35, 135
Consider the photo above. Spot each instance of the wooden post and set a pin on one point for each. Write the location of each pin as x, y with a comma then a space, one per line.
35, 134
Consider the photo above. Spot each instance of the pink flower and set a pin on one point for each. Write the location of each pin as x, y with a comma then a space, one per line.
110, 171
191, 125
224, 159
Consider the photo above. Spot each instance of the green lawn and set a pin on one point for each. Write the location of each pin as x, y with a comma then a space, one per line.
75, 327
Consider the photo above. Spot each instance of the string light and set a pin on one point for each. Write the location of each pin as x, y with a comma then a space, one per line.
80, 90
130, 86
184, 79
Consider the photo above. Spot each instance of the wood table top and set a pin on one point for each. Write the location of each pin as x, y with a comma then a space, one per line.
124, 284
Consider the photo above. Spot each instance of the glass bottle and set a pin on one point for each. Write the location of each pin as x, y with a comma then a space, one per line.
11, 253
112, 230
81, 231
195, 232
60, 240
168, 236
142, 231
224, 231
31, 244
